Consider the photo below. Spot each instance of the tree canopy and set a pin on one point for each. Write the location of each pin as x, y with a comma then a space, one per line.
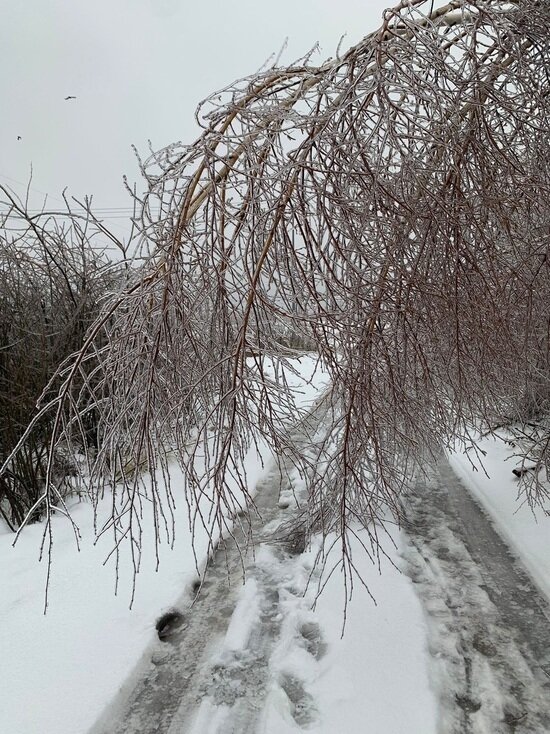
388, 209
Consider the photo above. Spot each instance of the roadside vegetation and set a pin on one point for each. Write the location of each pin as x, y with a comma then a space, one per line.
388, 209
53, 277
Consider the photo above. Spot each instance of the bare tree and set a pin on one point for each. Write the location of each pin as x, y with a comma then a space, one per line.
390, 207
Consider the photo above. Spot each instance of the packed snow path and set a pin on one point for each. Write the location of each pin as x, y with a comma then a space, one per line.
490, 625
211, 672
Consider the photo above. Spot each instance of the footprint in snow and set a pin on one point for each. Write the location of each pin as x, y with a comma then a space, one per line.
302, 707
313, 639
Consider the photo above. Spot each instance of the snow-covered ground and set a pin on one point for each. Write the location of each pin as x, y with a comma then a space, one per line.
526, 531
374, 678
60, 671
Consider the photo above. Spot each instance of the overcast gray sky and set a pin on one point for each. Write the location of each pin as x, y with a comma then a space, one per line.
138, 68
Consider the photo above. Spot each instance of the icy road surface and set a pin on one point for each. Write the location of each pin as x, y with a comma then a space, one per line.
251, 659
490, 625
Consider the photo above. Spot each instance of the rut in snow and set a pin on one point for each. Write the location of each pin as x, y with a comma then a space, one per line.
211, 674
489, 624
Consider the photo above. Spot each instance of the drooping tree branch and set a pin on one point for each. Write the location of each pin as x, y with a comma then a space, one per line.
388, 209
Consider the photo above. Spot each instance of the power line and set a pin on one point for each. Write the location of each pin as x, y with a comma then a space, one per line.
115, 210
97, 215
31, 188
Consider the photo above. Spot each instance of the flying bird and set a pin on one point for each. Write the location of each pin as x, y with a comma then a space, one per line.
19, 137
69, 97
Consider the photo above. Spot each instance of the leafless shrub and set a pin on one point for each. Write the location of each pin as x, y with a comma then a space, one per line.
391, 205
51, 281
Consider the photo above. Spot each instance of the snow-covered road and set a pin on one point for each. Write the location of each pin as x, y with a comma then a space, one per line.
254, 658
489, 623
225, 669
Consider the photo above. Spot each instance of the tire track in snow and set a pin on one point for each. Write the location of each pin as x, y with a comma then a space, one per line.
489, 624
185, 683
